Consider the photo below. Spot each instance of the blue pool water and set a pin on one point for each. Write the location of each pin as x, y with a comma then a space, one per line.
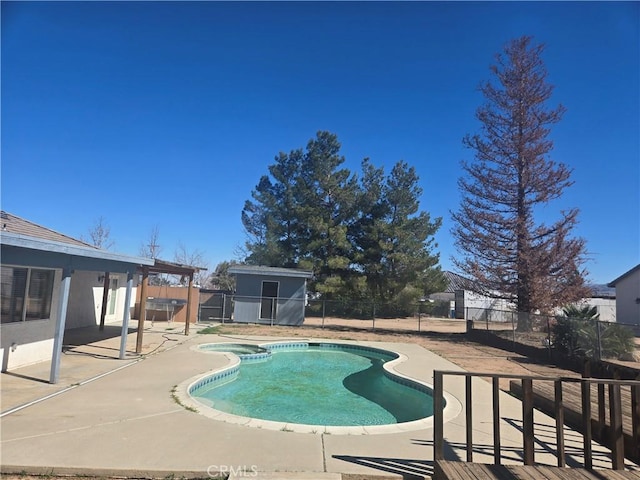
319, 386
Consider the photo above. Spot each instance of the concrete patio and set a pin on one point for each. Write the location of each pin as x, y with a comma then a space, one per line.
119, 416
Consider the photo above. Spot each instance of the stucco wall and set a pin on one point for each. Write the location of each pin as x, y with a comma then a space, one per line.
32, 340
85, 299
627, 294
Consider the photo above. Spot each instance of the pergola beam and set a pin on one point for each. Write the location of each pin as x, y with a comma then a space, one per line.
169, 268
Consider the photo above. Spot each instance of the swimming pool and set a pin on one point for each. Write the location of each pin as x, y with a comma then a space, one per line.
314, 385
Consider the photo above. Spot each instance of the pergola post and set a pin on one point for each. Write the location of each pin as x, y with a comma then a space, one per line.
105, 297
142, 315
127, 315
186, 325
61, 318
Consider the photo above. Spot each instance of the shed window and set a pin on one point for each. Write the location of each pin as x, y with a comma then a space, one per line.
26, 294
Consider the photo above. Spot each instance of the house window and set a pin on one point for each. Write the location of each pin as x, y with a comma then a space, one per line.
26, 294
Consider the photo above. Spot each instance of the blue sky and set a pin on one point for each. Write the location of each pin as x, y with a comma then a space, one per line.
167, 113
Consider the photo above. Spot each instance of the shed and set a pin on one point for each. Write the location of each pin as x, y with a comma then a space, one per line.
270, 295
627, 288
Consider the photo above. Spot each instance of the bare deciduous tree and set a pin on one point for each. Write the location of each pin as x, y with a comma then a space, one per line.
194, 258
99, 235
503, 248
151, 249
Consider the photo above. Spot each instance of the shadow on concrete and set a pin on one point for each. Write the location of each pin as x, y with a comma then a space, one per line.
85, 335
407, 468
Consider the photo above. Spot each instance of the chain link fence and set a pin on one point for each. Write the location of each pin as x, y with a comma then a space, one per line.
363, 314
575, 337
420, 316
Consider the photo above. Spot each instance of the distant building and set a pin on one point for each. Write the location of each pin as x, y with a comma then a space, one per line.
466, 302
627, 288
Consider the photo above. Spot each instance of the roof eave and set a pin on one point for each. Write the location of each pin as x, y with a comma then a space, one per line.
626, 274
34, 243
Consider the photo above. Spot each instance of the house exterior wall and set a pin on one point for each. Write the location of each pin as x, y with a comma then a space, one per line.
628, 298
606, 308
32, 340
290, 302
85, 299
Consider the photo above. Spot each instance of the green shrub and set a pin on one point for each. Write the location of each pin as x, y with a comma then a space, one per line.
579, 337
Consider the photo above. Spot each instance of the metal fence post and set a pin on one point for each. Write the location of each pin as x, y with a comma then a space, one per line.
549, 338
374, 315
599, 341
224, 302
323, 309
273, 308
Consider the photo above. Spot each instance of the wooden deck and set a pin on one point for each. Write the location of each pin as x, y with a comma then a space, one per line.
605, 408
544, 400
448, 470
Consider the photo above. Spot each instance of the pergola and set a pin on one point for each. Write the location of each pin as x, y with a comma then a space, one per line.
158, 267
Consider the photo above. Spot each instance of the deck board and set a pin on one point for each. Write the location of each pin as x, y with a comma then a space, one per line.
449, 470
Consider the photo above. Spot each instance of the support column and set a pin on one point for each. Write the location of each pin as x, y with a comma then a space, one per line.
61, 318
105, 298
186, 324
142, 315
127, 315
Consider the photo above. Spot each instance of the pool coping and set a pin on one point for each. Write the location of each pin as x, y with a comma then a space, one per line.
453, 406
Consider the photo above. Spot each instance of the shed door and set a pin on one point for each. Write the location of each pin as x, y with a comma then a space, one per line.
269, 300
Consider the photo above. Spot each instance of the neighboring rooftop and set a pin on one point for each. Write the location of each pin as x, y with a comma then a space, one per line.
602, 291
456, 282
19, 226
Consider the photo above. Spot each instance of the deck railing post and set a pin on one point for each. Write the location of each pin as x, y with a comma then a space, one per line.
438, 417
635, 417
527, 421
469, 416
587, 436
616, 438
496, 421
559, 414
